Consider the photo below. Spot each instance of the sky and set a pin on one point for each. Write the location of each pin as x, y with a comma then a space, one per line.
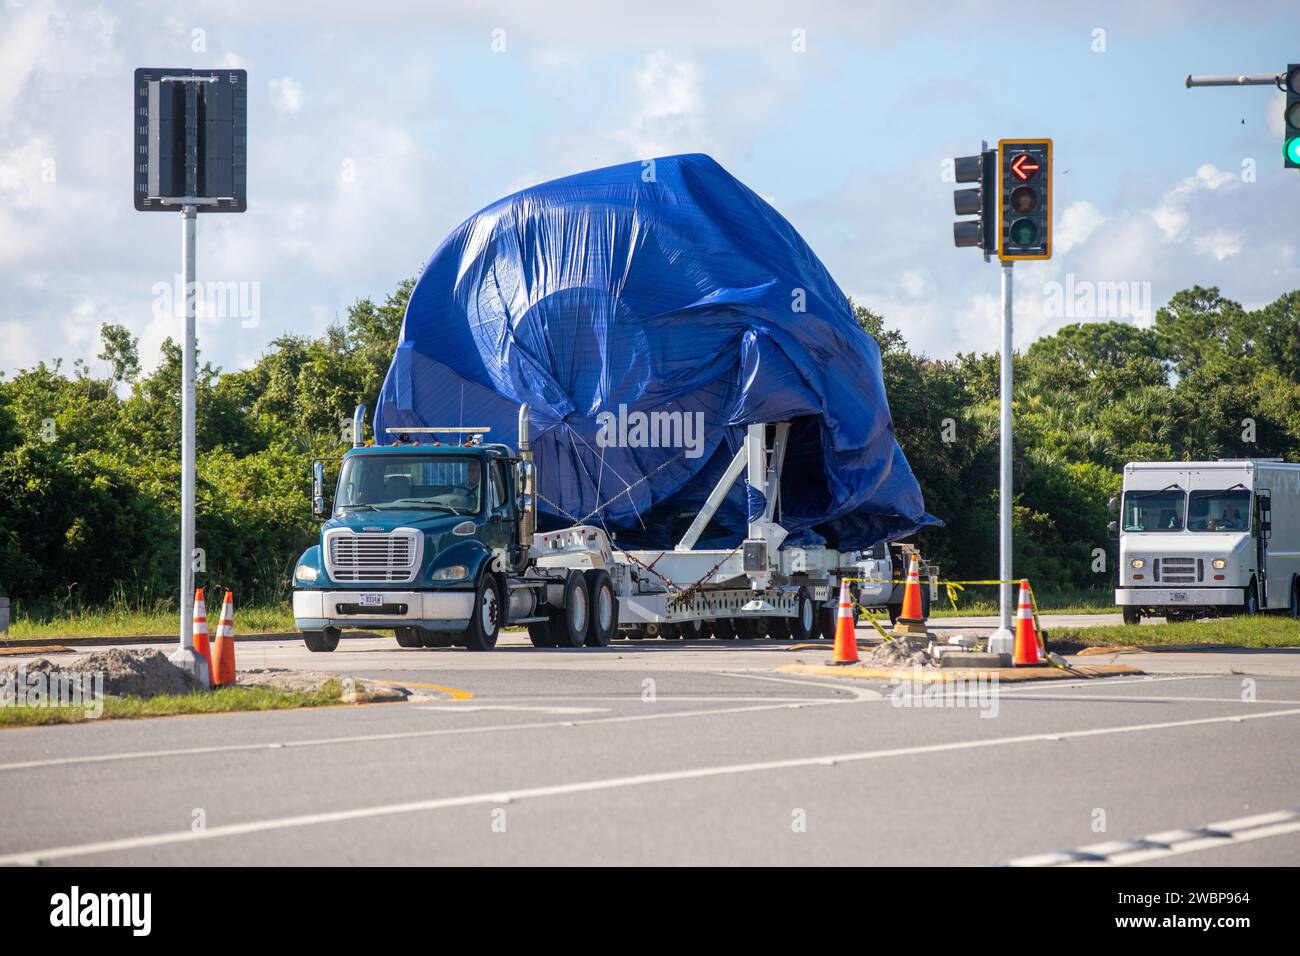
375, 128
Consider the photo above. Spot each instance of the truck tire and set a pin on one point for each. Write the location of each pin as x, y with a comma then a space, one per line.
724, 629
1132, 615
827, 613
431, 638
486, 615
749, 628
778, 628
802, 627
1295, 597
816, 632
669, 632
1250, 602
603, 613
321, 642
539, 632
696, 630
408, 637
569, 622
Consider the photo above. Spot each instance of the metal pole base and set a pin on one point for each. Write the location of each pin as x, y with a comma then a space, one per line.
189, 660
1002, 641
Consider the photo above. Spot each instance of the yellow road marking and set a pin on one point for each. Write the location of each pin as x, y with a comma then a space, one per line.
454, 692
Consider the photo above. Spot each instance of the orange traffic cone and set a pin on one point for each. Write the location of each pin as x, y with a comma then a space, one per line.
911, 619
846, 638
225, 650
201, 645
1027, 651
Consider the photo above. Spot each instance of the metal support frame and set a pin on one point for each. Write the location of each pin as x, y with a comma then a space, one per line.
763, 473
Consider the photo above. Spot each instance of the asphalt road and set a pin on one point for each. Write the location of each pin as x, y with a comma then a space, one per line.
671, 753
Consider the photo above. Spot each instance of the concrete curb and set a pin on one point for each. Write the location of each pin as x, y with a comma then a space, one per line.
66, 642
936, 675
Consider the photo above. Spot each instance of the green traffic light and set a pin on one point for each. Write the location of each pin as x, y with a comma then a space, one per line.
1293, 149
1023, 232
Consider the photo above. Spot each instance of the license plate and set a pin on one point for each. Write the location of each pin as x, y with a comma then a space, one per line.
371, 600
1175, 596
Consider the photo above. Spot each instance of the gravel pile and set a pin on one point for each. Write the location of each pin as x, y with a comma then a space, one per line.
901, 652
143, 673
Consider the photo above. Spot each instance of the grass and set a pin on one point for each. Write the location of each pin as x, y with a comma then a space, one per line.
983, 601
133, 622
1260, 631
221, 701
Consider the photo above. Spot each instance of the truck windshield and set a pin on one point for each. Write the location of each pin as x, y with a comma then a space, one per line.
392, 482
1153, 510
1219, 510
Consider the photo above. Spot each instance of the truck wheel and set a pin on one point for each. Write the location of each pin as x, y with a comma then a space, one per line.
485, 622
637, 633
1132, 615
408, 637
1250, 603
1295, 598
724, 629
321, 642
748, 628
669, 632
693, 630
603, 616
778, 628
569, 623
827, 614
803, 625
539, 632
432, 638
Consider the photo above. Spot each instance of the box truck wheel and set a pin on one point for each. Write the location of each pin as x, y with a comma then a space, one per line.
485, 618
1132, 615
321, 641
569, 623
603, 614
1250, 603
1295, 597
408, 637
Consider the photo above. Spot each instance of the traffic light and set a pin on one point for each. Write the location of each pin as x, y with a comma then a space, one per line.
1291, 121
979, 232
1024, 198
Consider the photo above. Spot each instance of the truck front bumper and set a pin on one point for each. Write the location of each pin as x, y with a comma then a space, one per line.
1177, 597
435, 610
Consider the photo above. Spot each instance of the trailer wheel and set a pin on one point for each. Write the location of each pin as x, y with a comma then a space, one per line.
778, 628
724, 629
321, 642
636, 633
603, 614
485, 622
693, 630
815, 633
539, 632
826, 614
749, 628
569, 623
669, 632
802, 626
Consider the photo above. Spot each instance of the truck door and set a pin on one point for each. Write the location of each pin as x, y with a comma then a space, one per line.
500, 533
1263, 532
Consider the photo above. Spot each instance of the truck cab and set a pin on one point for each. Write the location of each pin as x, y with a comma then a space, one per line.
416, 540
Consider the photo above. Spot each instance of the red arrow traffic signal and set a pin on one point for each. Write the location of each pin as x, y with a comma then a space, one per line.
1024, 167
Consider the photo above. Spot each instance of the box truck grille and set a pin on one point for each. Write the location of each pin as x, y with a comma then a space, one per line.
370, 558
1178, 570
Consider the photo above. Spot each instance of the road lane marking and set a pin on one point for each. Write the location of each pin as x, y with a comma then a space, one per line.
539, 708
34, 857
454, 692
1156, 846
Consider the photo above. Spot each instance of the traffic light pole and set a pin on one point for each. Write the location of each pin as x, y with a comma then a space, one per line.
185, 656
1002, 641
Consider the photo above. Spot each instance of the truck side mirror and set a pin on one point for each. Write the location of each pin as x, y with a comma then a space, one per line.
1113, 505
1113, 528
317, 489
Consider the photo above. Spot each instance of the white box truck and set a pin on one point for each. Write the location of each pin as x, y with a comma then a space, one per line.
1199, 538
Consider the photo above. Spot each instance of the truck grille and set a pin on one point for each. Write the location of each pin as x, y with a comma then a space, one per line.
370, 558
1179, 570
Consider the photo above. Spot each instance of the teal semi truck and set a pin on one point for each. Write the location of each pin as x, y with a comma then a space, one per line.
433, 537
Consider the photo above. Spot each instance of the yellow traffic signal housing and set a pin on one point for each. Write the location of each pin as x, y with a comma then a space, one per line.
1024, 199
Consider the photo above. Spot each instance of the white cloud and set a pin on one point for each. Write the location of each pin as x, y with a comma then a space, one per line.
914, 283
669, 115
286, 93
1171, 214
1076, 224
1220, 244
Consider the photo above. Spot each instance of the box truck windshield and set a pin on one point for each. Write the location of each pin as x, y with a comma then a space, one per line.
1153, 510
1219, 510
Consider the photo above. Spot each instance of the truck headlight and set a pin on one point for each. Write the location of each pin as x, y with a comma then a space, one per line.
452, 572
1138, 563
1219, 564
305, 573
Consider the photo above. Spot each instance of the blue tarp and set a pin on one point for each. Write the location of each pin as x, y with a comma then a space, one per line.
646, 313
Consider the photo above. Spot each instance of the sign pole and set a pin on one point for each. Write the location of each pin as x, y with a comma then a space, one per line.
1002, 641
185, 656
